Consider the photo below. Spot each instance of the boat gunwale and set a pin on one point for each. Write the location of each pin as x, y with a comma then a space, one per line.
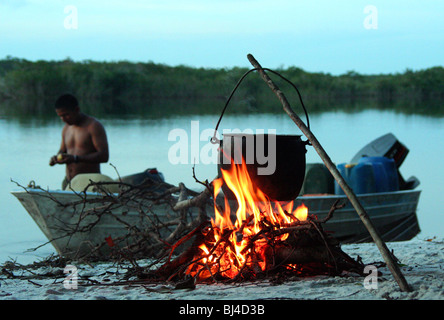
307, 196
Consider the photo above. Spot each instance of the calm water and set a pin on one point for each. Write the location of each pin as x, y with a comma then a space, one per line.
25, 149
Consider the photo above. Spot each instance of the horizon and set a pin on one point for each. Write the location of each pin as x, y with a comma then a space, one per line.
365, 37
218, 68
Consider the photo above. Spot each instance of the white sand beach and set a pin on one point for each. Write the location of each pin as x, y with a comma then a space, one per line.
422, 264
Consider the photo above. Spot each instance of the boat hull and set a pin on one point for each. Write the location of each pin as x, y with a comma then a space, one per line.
77, 228
392, 213
74, 234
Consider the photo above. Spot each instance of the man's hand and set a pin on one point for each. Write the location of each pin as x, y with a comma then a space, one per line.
62, 158
53, 160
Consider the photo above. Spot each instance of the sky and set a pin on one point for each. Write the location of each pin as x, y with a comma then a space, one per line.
368, 37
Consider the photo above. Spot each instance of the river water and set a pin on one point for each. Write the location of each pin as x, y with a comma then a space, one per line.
138, 144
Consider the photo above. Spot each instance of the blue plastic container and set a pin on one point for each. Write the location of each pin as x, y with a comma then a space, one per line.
385, 173
370, 175
362, 178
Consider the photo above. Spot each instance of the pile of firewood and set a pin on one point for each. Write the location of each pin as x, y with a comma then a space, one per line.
307, 251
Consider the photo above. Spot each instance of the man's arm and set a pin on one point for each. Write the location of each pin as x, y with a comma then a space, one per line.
100, 143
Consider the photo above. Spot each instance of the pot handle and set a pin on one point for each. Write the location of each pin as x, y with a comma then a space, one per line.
214, 140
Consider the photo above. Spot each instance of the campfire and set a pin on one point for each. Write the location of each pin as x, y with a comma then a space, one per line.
230, 249
254, 237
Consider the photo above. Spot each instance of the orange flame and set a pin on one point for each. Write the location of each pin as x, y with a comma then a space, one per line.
255, 211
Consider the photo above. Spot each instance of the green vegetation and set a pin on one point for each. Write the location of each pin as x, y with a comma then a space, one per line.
155, 90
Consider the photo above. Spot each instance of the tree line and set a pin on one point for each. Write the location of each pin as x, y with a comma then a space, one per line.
128, 88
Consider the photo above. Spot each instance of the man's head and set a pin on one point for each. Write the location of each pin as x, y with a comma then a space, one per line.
67, 108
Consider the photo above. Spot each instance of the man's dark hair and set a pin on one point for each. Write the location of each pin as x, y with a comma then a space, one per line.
67, 101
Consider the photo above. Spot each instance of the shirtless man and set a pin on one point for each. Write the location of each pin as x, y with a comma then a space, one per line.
84, 143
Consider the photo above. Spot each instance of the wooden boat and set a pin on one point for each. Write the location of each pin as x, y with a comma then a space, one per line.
75, 226
393, 213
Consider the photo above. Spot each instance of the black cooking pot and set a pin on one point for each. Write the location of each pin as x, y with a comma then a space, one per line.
275, 163
286, 152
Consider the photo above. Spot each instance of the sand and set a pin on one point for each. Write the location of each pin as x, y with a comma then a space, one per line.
422, 264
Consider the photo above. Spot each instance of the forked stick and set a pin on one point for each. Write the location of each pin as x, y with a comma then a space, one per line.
386, 254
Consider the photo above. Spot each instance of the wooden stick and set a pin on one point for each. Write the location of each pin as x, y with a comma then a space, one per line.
196, 201
388, 257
